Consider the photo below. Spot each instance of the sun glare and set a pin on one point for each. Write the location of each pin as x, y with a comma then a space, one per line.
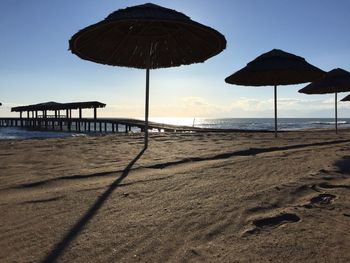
176, 121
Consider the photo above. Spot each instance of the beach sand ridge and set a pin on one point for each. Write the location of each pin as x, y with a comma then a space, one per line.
191, 197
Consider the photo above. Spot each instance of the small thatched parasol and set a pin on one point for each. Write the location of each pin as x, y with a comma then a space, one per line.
275, 68
336, 80
147, 37
347, 98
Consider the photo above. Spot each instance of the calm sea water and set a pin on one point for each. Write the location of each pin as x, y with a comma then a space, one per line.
227, 123
269, 124
7, 133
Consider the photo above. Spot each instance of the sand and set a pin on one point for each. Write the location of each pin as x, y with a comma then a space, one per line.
206, 197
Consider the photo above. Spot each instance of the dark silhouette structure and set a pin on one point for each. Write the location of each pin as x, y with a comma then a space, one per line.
147, 37
335, 81
274, 68
57, 107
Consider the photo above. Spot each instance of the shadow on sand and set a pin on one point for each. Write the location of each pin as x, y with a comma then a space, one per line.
246, 152
76, 229
343, 165
221, 156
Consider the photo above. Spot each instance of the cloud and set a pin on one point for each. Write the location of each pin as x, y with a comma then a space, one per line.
195, 106
11, 104
201, 107
186, 107
283, 103
5, 109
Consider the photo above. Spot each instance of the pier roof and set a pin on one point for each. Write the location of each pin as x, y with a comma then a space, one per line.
51, 105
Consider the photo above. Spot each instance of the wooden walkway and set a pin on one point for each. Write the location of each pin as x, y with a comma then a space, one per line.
102, 125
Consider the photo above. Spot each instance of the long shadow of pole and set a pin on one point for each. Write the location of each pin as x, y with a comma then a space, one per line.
75, 230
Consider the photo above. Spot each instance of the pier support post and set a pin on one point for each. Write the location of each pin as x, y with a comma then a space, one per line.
20, 114
45, 116
336, 112
275, 95
95, 117
67, 120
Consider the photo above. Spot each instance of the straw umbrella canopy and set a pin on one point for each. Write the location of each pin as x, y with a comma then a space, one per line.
335, 81
347, 98
147, 37
274, 68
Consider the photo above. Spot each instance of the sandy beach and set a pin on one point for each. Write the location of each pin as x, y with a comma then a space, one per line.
191, 197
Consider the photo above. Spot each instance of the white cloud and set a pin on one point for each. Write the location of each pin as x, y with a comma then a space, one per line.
195, 106
5, 109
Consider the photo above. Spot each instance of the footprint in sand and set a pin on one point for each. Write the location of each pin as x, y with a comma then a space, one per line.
323, 171
326, 185
273, 222
320, 200
276, 221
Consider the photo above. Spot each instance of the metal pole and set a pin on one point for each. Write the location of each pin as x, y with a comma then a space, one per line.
95, 117
336, 112
146, 108
275, 111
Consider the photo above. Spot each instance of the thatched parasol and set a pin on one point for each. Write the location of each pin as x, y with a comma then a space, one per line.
336, 80
275, 68
147, 37
347, 98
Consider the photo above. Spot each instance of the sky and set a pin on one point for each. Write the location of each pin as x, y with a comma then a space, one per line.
36, 65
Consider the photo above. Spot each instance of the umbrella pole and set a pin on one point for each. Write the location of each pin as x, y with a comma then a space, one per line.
275, 94
336, 112
146, 108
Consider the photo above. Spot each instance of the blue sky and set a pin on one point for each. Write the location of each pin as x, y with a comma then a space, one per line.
36, 66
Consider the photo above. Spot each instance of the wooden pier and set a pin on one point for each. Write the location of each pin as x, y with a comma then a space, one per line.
100, 125
37, 118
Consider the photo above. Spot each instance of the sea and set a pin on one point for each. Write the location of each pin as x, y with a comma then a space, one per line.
256, 124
